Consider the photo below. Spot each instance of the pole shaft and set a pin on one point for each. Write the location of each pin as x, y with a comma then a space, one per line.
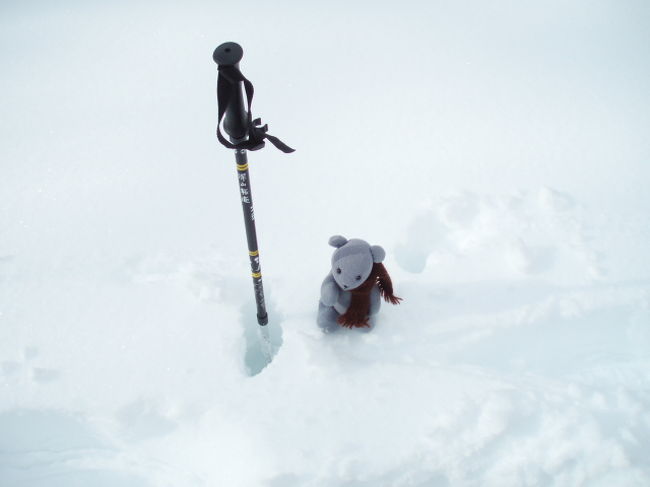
243, 179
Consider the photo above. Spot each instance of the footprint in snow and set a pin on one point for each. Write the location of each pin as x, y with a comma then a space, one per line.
59, 449
25, 367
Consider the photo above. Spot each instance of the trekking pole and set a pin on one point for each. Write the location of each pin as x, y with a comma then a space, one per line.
244, 134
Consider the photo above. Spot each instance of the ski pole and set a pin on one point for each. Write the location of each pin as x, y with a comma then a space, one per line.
244, 134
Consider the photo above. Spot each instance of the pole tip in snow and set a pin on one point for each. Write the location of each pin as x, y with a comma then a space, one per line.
228, 54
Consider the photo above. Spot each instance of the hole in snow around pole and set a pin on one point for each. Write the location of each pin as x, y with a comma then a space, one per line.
260, 341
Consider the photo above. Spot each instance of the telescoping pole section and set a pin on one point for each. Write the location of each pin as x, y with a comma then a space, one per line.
243, 177
237, 127
244, 133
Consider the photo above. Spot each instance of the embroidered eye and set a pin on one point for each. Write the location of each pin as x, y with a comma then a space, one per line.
338, 270
358, 278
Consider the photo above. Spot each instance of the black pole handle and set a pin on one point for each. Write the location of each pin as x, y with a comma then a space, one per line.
235, 122
245, 132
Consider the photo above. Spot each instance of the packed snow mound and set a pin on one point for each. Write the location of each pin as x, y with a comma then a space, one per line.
530, 233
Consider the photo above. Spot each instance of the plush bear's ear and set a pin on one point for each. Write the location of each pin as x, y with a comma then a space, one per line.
378, 253
338, 241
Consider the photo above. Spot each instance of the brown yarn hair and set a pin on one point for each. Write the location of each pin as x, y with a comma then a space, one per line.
358, 313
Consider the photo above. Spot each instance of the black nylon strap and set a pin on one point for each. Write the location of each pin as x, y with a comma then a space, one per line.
229, 76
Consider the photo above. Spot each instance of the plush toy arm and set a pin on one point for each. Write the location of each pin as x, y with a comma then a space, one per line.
329, 291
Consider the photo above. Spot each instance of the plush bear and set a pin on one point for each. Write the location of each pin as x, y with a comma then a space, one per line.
351, 293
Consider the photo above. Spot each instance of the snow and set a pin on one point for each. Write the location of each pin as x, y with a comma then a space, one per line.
498, 152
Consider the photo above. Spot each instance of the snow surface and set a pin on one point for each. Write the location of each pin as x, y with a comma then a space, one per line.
497, 150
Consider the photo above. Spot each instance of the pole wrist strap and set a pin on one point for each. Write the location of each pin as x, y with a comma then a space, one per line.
229, 76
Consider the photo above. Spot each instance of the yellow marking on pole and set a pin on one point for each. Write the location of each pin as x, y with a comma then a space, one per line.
254, 254
242, 167
257, 275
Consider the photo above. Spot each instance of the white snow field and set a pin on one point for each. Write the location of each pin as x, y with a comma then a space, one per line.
499, 151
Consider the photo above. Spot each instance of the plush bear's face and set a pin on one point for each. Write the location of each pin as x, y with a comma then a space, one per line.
351, 270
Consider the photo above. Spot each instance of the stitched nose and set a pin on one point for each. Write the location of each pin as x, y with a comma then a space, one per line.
344, 286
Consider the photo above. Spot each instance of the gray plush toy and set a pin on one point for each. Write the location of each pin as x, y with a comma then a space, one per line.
351, 293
